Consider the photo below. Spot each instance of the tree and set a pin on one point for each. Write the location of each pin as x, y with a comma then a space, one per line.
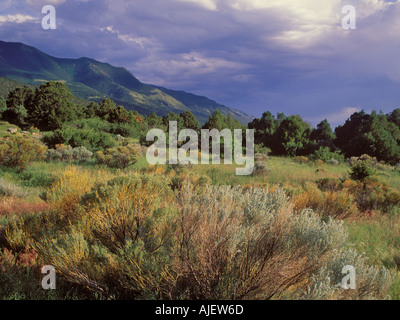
171, 116
189, 121
323, 133
154, 121
52, 106
91, 110
215, 121
3, 106
350, 137
17, 115
119, 115
371, 134
264, 129
18, 103
394, 117
105, 108
220, 122
292, 136
19, 97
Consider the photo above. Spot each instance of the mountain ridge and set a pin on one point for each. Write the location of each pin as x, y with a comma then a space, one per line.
93, 80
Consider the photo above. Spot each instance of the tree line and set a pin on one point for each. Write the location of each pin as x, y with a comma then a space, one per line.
375, 134
50, 108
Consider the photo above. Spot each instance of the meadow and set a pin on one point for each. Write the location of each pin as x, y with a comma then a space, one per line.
48, 215
78, 194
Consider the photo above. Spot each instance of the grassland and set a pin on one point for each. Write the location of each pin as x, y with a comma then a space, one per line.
375, 233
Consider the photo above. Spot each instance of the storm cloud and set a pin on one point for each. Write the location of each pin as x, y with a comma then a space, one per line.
253, 55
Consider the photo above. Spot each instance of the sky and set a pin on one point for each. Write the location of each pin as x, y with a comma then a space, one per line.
253, 55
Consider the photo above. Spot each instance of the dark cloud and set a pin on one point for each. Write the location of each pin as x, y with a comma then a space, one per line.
254, 55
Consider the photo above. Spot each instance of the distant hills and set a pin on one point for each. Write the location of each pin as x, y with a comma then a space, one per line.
92, 80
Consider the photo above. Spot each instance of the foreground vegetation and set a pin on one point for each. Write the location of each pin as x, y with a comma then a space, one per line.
76, 193
180, 233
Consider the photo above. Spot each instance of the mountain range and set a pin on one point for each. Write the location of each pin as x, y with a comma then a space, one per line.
92, 80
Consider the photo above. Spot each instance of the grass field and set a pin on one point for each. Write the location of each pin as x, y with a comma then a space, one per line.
375, 233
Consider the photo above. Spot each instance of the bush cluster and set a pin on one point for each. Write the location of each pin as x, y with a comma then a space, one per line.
119, 157
67, 153
133, 237
343, 198
12, 156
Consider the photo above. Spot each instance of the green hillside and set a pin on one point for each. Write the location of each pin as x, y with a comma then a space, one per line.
7, 85
92, 80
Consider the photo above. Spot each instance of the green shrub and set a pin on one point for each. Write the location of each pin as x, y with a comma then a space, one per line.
67, 153
36, 178
119, 157
325, 154
125, 130
11, 154
361, 170
260, 149
89, 138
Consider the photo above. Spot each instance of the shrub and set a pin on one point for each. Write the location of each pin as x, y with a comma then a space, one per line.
66, 192
301, 159
260, 157
91, 139
361, 170
10, 207
133, 239
53, 155
371, 161
34, 177
260, 149
228, 236
67, 153
119, 157
368, 195
330, 184
123, 206
261, 169
332, 162
372, 195
371, 282
127, 250
250, 245
325, 154
319, 162
81, 154
12, 156
329, 203
321, 170
9, 189
197, 181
